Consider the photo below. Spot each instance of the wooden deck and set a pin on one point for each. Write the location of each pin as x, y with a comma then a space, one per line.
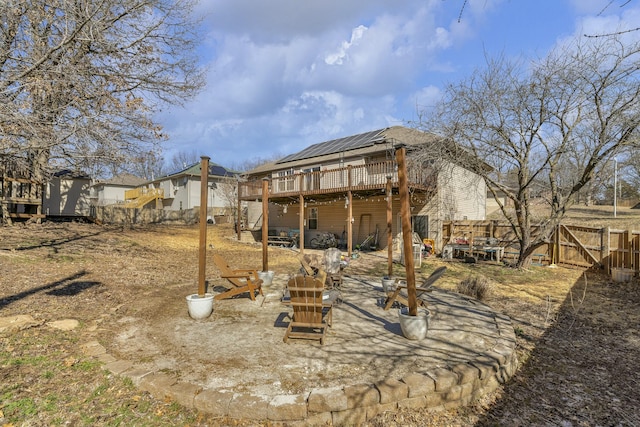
361, 178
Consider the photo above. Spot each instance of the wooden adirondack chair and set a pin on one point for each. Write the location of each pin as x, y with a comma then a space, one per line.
318, 273
240, 280
311, 315
426, 286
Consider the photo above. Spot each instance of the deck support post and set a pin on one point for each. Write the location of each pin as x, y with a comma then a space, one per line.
301, 222
265, 224
389, 229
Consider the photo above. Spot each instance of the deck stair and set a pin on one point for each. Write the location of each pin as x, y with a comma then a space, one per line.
140, 197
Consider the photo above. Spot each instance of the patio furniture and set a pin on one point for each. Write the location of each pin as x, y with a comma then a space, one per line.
312, 309
308, 270
239, 280
332, 265
427, 286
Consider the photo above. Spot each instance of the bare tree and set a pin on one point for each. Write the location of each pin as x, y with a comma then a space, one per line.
80, 80
228, 191
183, 159
581, 100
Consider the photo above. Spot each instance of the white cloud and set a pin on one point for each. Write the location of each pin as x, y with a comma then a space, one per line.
288, 73
339, 56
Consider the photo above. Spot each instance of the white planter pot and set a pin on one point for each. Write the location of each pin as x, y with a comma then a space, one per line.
200, 307
388, 284
414, 327
621, 274
266, 276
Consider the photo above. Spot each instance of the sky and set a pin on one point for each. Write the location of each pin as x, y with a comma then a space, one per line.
285, 74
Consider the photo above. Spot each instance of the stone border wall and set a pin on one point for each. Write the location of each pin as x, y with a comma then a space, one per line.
440, 388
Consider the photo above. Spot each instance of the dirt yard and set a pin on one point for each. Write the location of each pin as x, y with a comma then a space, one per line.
578, 337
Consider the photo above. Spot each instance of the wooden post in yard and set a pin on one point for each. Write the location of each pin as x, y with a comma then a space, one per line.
202, 259
389, 229
301, 222
407, 238
265, 224
349, 214
239, 215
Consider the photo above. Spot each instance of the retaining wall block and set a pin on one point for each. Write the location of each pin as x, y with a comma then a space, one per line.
374, 410
512, 366
503, 376
184, 393
500, 358
433, 400
350, 417
490, 383
246, 406
327, 400
413, 403
505, 350
419, 385
392, 390
453, 394
444, 378
157, 384
213, 402
488, 366
466, 395
288, 407
466, 373
361, 395
315, 420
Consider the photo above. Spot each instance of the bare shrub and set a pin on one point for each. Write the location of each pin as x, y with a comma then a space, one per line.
477, 287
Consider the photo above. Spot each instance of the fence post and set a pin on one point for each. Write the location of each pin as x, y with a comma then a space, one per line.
605, 251
627, 248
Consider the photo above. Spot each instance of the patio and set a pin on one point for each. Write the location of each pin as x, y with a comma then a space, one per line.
237, 359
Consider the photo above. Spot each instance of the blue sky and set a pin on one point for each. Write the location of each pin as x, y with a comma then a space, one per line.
284, 74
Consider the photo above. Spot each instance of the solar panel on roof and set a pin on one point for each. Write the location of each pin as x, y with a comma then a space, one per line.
336, 146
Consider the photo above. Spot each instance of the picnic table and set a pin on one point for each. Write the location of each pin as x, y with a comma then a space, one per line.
284, 241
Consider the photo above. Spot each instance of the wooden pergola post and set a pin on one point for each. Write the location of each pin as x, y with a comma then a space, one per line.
407, 239
265, 224
301, 222
239, 215
202, 259
349, 214
389, 228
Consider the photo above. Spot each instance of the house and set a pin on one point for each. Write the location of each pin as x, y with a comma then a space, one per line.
181, 190
21, 193
339, 186
67, 194
112, 191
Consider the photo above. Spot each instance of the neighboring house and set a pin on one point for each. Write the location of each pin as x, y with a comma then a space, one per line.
181, 190
339, 186
21, 193
67, 194
112, 191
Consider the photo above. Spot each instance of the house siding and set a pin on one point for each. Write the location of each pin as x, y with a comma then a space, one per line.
67, 197
368, 213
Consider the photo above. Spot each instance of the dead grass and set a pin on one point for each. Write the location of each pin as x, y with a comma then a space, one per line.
578, 341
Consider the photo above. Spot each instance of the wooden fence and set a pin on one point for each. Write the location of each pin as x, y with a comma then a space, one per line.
572, 245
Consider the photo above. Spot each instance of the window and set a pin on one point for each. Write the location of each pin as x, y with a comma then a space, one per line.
285, 180
313, 218
312, 178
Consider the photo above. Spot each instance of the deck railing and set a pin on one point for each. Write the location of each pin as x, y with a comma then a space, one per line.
143, 191
370, 176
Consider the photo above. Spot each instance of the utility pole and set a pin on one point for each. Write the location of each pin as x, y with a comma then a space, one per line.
615, 188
